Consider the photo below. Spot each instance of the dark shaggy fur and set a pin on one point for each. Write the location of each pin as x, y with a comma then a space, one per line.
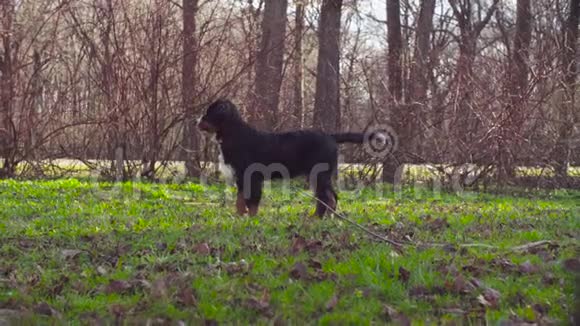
255, 156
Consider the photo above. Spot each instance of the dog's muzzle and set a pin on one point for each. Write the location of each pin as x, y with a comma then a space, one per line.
205, 126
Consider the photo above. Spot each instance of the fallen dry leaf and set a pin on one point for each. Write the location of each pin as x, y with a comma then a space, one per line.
489, 298
572, 265
256, 304
320, 276
541, 309
59, 285
315, 264
186, 297
116, 286
403, 320
449, 248
101, 270
299, 271
123, 249
159, 288
438, 224
298, 245
33, 279
117, 310
70, 253
237, 267
331, 304
9, 313
549, 279
391, 315
473, 270
261, 305
504, 264
344, 240
516, 299
313, 246
161, 246
389, 312
91, 318
25, 243
45, 309
418, 291
446, 269
459, 285
546, 256
141, 284
202, 249
528, 268
476, 282
404, 275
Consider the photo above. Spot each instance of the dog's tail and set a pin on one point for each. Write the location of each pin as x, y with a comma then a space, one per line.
358, 138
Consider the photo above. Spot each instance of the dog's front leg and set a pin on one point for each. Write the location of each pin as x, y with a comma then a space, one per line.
241, 203
253, 209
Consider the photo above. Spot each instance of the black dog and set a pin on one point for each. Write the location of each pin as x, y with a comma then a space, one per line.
255, 155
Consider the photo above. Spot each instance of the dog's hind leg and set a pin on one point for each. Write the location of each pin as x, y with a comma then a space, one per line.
241, 203
326, 199
253, 209
325, 195
254, 195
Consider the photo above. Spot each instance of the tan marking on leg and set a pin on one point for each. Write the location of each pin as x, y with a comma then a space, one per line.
241, 204
331, 201
253, 209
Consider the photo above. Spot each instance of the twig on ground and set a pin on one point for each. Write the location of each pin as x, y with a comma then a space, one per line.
398, 246
523, 247
533, 245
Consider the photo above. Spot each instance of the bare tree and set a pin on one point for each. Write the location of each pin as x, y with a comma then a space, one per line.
395, 89
189, 89
299, 65
419, 77
465, 120
7, 129
35, 104
518, 88
567, 117
269, 63
97, 80
327, 99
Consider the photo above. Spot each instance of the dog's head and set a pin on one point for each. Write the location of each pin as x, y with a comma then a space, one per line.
219, 115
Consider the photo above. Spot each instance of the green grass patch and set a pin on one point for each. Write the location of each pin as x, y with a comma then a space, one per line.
80, 252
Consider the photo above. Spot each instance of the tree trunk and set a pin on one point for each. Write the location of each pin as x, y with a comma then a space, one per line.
392, 166
154, 146
518, 84
34, 107
419, 79
327, 99
188, 88
116, 143
269, 62
567, 116
299, 66
394, 38
466, 122
7, 131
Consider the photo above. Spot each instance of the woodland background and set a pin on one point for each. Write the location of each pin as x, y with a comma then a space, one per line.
118, 84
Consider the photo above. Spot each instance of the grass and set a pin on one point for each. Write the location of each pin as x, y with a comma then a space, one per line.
79, 252
176, 169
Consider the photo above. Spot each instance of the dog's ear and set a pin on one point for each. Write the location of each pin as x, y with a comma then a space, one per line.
220, 114
225, 110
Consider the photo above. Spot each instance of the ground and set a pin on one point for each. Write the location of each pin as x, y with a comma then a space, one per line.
87, 252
